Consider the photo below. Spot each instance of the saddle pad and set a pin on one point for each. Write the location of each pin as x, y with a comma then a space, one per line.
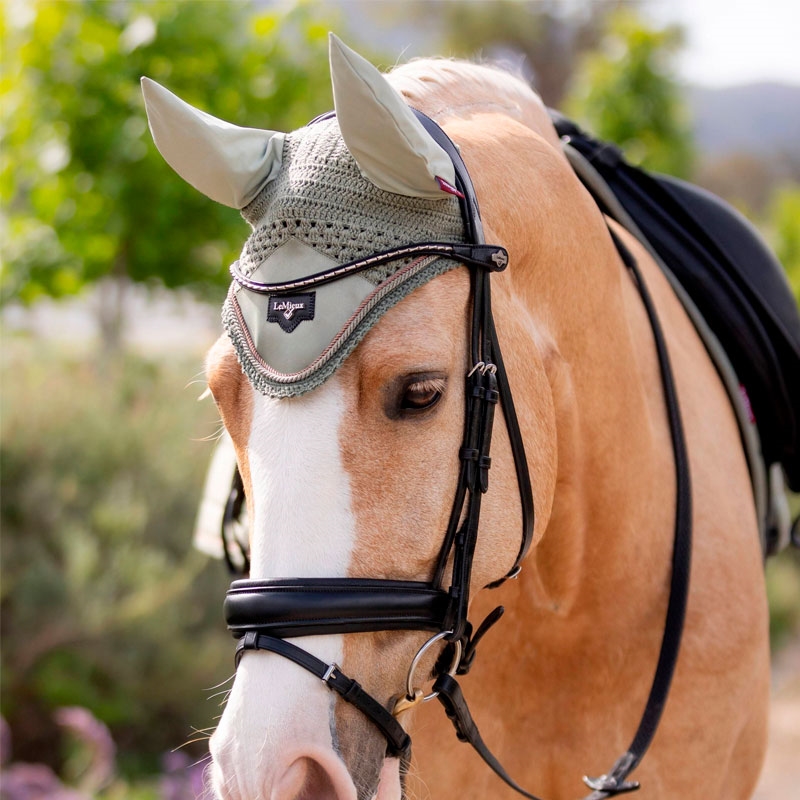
736, 283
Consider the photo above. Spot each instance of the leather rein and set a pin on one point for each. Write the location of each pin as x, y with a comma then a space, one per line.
261, 614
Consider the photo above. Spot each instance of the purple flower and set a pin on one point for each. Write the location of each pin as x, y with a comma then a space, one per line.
96, 737
34, 782
183, 779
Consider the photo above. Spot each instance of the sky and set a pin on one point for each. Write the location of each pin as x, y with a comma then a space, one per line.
735, 41
728, 42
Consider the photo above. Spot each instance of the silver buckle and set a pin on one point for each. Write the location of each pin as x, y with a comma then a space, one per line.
329, 673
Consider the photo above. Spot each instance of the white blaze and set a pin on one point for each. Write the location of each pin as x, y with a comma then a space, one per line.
303, 527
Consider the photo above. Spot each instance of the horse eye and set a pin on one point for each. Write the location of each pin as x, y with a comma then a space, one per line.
422, 395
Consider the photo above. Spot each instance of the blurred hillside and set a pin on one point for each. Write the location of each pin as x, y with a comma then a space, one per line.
759, 118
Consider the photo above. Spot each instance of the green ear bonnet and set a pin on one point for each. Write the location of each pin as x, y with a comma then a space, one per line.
375, 177
318, 213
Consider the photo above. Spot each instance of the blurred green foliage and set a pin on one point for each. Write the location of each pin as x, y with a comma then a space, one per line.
626, 92
783, 222
104, 603
85, 192
783, 594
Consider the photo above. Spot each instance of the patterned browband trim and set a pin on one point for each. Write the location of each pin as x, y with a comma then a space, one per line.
332, 605
485, 256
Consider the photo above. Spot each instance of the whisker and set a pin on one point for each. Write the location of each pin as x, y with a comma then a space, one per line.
212, 437
206, 757
225, 696
198, 377
190, 742
221, 683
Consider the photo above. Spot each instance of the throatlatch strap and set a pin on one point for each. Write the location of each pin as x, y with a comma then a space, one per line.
398, 741
518, 451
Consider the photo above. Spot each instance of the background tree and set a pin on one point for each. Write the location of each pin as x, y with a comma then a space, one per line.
542, 39
87, 196
627, 93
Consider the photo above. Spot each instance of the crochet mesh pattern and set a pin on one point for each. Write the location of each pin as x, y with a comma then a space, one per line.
321, 199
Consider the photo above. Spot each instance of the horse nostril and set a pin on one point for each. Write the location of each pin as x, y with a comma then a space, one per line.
307, 779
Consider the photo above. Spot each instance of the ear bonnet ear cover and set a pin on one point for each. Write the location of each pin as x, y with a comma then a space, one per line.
315, 203
320, 212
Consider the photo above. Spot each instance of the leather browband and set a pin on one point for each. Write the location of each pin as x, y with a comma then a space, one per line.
489, 257
309, 606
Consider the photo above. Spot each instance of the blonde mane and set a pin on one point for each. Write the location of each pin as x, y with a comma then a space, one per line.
445, 88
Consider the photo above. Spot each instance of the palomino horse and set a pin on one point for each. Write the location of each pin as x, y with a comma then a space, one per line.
347, 439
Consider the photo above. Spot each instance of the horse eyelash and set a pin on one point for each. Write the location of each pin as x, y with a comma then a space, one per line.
429, 385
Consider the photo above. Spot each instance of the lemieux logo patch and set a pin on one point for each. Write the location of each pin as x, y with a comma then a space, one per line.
290, 310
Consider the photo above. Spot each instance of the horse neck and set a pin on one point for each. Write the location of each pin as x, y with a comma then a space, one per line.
605, 519
613, 459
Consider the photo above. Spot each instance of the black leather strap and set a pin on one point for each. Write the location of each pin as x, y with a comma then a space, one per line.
520, 459
236, 555
682, 542
309, 606
398, 741
455, 706
470, 212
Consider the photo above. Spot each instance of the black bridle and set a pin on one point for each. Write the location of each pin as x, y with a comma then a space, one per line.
261, 614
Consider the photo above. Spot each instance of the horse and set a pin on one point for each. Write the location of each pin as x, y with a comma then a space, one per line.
349, 466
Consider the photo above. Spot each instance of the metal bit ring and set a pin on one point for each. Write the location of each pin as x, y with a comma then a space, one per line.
411, 693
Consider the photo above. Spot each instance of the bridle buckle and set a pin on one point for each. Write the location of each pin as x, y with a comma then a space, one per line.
330, 673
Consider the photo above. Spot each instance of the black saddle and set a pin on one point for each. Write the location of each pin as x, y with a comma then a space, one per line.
734, 280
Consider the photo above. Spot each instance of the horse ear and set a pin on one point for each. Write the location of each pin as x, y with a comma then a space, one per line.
227, 163
388, 142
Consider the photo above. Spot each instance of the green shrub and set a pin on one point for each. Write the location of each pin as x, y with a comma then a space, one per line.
783, 591
104, 602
